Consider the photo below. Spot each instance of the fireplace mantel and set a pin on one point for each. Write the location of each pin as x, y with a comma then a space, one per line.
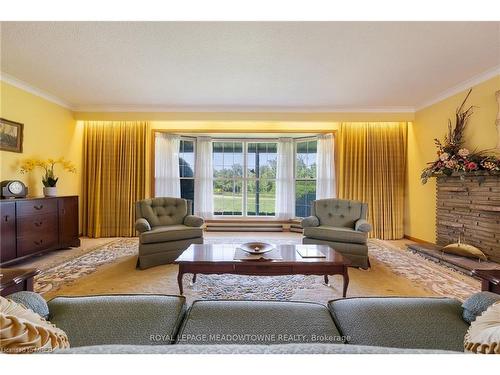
469, 207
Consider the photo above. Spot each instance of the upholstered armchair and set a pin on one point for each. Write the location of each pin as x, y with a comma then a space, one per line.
342, 225
166, 229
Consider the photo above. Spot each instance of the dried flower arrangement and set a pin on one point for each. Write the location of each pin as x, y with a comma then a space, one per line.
453, 157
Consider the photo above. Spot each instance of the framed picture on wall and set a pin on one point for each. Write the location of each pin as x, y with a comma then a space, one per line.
11, 136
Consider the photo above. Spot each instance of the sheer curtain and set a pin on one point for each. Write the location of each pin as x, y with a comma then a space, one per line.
204, 184
167, 181
325, 167
285, 184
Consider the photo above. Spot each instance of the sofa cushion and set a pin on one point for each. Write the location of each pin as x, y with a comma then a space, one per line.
257, 322
424, 323
336, 234
339, 212
170, 233
162, 211
118, 319
245, 349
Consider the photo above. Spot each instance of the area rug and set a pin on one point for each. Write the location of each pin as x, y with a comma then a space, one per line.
111, 269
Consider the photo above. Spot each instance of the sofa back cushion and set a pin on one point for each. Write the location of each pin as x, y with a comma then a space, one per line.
257, 322
118, 319
339, 212
162, 211
401, 322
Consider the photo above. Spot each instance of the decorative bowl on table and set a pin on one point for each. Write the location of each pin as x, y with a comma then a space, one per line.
256, 247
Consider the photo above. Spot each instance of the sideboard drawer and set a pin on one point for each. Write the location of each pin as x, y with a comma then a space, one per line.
36, 206
36, 242
36, 224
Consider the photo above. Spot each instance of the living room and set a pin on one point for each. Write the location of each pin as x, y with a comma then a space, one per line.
164, 183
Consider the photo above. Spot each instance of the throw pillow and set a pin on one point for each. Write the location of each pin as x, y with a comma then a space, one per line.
483, 335
23, 331
464, 250
478, 303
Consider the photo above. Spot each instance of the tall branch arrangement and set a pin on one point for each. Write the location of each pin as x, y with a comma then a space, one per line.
453, 157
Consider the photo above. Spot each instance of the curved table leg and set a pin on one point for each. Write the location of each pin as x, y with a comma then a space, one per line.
346, 281
179, 279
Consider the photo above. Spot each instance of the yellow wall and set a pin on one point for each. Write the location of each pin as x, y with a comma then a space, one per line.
49, 132
430, 123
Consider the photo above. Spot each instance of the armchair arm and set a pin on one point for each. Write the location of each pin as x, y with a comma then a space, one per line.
193, 221
310, 221
142, 225
362, 226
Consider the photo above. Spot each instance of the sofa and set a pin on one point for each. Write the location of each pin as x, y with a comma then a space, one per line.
164, 324
166, 228
342, 225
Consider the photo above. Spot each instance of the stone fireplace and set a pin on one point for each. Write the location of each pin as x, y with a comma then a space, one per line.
469, 208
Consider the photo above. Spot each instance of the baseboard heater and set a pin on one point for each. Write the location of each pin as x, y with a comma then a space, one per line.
244, 227
296, 227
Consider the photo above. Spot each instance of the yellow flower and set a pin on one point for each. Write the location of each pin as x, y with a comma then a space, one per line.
48, 165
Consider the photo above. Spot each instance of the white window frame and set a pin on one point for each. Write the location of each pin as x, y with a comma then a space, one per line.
190, 139
245, 178
295, 178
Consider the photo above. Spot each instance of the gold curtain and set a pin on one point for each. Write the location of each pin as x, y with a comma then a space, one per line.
371, 169
114, 176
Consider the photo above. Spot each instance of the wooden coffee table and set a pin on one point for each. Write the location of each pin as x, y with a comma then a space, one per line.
219, 259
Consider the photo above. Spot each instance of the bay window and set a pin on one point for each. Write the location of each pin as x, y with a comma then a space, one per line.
245, 178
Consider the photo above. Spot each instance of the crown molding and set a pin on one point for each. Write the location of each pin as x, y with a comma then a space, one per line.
244, 109
462, 86
34, 90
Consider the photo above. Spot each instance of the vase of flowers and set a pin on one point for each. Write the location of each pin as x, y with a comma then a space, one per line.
49, 179
453, 158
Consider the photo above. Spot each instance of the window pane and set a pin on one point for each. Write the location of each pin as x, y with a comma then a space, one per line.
261, 197
305, 159
261, 160
305, 193
228, 159
187, 189
186, 158
228, 197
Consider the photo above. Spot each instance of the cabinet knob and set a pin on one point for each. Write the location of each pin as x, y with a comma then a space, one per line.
38, 223
38, 242
6, 218
38, 207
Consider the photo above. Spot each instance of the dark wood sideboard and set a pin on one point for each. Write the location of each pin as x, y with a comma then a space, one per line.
35, 225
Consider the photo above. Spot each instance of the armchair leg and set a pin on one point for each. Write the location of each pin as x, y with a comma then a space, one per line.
366, 269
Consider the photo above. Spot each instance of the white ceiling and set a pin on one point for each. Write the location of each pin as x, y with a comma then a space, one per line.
317, 66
